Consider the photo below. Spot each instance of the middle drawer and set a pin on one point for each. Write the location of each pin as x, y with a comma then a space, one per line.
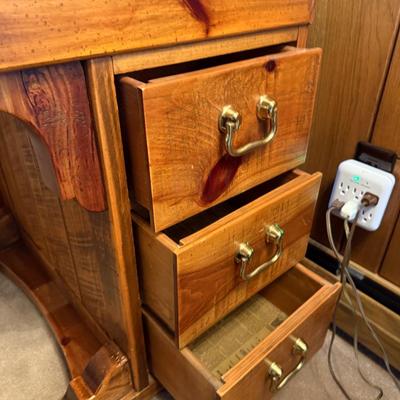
196, 272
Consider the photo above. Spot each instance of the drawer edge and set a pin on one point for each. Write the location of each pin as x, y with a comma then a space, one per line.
171, 366
324, 301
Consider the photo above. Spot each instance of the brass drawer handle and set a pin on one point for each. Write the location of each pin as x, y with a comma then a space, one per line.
274, 233
275, 372
230, 121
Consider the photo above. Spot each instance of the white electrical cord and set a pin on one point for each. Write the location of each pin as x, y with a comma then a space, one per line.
346, 277
355, 316
371, 329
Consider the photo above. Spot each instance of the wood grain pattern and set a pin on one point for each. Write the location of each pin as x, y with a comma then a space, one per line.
391, 262
311, 311
46, 32
386, 135
156, 267
53, 101
33, 204
188, 105
72, 241
388, 119
107, 373
208, 284
302, 36
143, 59
113, 386
369, 248
8, 228
352, 76
101, 86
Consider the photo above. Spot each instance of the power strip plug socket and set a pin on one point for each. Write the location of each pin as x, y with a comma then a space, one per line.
353, 180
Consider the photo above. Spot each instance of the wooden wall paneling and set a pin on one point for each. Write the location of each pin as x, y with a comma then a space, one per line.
369, 248
387, 126
357, 42
386, 134
40, 32
391, 264
100, 80
53, 101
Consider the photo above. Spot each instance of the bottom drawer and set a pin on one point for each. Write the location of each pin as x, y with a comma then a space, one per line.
253, 351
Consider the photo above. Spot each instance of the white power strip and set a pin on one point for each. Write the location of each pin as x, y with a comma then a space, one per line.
353, 180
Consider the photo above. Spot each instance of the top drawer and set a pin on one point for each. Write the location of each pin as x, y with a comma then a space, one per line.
201, 137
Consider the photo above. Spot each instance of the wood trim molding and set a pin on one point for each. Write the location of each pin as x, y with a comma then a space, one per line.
363, 271
53, 102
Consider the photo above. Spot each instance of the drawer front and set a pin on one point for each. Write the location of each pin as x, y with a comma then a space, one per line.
209, 283
202, 279
188, 130
253, 379
307, 299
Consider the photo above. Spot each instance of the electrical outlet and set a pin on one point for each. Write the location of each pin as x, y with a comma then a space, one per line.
353, 180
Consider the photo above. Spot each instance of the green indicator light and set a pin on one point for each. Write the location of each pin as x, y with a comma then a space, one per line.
356, 179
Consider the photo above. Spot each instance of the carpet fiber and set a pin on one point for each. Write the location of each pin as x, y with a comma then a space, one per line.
32, 368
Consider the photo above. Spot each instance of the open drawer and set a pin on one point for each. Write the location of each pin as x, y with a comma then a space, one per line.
196, 272
255, 350
197, 138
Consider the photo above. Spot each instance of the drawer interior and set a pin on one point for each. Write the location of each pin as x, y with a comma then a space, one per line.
151, 74
227, 343
181, 233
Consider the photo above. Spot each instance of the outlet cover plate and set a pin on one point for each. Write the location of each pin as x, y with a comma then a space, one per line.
353, 180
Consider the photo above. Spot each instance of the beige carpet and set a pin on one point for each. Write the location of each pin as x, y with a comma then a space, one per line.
31, 367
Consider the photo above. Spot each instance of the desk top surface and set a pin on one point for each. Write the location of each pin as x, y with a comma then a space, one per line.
38, 32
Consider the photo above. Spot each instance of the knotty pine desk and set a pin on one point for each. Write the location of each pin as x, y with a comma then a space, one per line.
65, 220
